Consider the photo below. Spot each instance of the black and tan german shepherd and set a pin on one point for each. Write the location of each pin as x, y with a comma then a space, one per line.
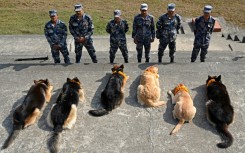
219, 110
63, 113
112, 96
28, 112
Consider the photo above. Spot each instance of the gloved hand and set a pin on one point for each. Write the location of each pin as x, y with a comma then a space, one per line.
135, 41
56, 47
82, 39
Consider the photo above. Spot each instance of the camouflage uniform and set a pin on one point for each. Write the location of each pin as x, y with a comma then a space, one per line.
203, 30
167, 33
56, 35
117, 38
143, 32
82, 28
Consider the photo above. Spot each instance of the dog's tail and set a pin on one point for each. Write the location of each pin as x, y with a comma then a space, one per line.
54, 139
12, 136
177, 127
99, 112
223, 129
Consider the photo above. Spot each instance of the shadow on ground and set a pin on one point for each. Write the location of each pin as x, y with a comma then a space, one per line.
95, 103
7, 122
132, 97
200, 119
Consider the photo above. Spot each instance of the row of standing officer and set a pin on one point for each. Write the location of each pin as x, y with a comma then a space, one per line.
81, 28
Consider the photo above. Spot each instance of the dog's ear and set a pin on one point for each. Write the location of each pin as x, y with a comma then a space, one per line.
35, 81
218, 79
209, 77
122, 66
76, 79
46, 81
68, 80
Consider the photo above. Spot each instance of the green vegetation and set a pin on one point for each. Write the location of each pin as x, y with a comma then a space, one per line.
29, 17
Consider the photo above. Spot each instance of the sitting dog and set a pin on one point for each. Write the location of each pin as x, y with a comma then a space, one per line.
63, 113
219, 110
113, 94
27, 113
183, 109
148, 92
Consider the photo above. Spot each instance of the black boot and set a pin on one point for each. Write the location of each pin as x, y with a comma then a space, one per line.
125, 60
139, 60
94, 60
111, 61
147, 60
202, 60
159, 60
171, 59
78, 59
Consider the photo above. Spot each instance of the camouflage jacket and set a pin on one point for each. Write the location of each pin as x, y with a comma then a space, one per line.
117, 31
56, 34
143, 28
81, 28
203, 30
167, 28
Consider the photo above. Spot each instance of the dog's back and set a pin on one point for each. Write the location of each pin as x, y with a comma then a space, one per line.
112, 96
184, 110
63, 113
27, 113
219, 109
148, 91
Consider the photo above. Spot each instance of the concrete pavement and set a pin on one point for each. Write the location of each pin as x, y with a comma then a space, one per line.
131, 128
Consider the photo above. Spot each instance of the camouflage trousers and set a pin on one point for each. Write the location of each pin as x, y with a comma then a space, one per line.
113, 49
139, 47
56, 54
162, 46
195, 52
90, 48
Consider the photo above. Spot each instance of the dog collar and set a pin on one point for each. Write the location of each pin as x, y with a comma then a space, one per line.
119, 72
177, 89
210, 81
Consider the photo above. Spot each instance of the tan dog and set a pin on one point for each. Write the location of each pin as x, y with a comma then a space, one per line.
183, 109
148, 92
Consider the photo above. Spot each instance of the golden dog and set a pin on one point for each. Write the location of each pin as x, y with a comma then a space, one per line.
183, 109
148, 92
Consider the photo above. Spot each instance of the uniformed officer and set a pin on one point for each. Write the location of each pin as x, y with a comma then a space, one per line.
143, 32
203, 29
167, 26
117, 29
56, 33
81, 28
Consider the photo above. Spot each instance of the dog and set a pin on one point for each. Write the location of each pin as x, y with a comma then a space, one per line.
219, 110
113, 94
28, 112
63, 113
149, 92
184, 109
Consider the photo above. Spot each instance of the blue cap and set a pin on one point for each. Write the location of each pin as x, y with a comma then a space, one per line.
171, 7
207, 9
78, 7
117, 13
52, 12
144, 6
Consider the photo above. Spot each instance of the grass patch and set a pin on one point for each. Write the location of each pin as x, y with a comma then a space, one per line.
29, 17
